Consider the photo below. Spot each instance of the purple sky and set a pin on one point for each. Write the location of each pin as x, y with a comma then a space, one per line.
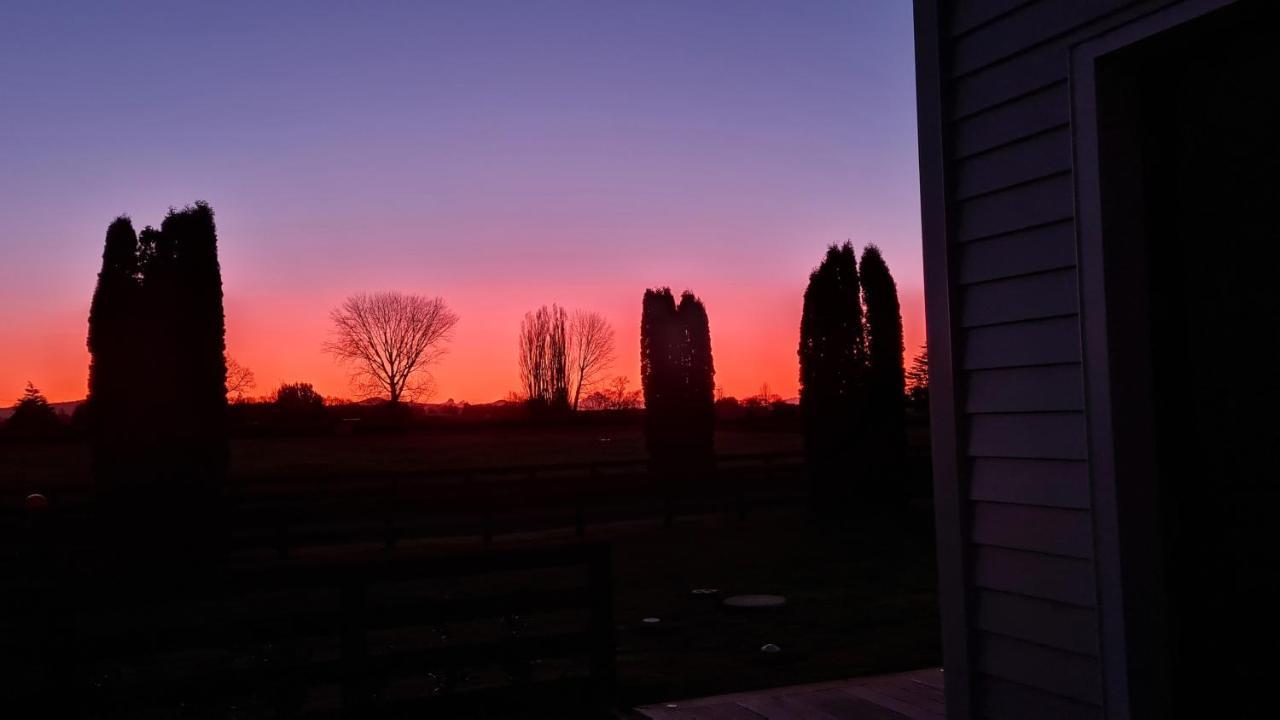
499, 154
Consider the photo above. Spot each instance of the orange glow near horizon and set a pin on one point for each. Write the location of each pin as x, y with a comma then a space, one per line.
499, 155
280, 338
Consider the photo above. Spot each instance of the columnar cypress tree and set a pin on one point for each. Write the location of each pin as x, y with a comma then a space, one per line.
832, 372
160, 320
158, 378
699, 383
886, 383
678, 377
658, 370
114, 378
198, 342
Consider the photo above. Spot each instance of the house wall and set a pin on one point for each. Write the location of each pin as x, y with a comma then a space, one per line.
1018, 563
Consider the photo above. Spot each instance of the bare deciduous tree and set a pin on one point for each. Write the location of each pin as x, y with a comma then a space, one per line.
591, 351
544, 356
620, 398
240, 380
389, 340
614, 396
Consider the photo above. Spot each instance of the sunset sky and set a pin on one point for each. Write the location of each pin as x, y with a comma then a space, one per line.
500, 155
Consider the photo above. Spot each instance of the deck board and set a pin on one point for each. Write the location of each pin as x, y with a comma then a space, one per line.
905, 696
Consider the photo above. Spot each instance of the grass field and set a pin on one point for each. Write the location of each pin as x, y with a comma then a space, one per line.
860, 600
41, 467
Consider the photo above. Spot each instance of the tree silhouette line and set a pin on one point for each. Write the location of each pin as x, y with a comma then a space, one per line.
159, 375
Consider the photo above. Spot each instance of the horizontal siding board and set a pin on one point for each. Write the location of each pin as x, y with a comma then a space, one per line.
1029, 73
1048, 247
1032, 70
1036, 203
1066, 627
968, 14
1041, 111
1053, 483
1028, 527
1035, 342
1015, 163
1048, 294
1052, 436
1048, 388
1050, 577
995, 697
1026, 27
1067, 674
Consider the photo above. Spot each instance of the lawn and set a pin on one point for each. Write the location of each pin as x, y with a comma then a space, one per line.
860, 600
44, 467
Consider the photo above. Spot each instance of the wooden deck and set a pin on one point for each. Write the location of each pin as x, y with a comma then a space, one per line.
905, 696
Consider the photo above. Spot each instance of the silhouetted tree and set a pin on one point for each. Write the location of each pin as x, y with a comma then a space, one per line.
832, 374
918, 377
113, 408
591, 351
615, 396
678, 377
157, 396
240, 380
660, 373
389, 340
298, 406
33, 417
699, 384
886, 427
620, 397
544, 358
195, 343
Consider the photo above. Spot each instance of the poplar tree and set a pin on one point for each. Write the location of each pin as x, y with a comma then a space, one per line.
832, 373
198, 341
886, 386
698, 384
678, 377
658, 370
115, 380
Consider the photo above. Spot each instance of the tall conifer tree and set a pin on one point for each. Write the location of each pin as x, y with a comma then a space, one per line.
886, 390
678, 377
198, 340
698, 383
832, 373
658, 370
114, 377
